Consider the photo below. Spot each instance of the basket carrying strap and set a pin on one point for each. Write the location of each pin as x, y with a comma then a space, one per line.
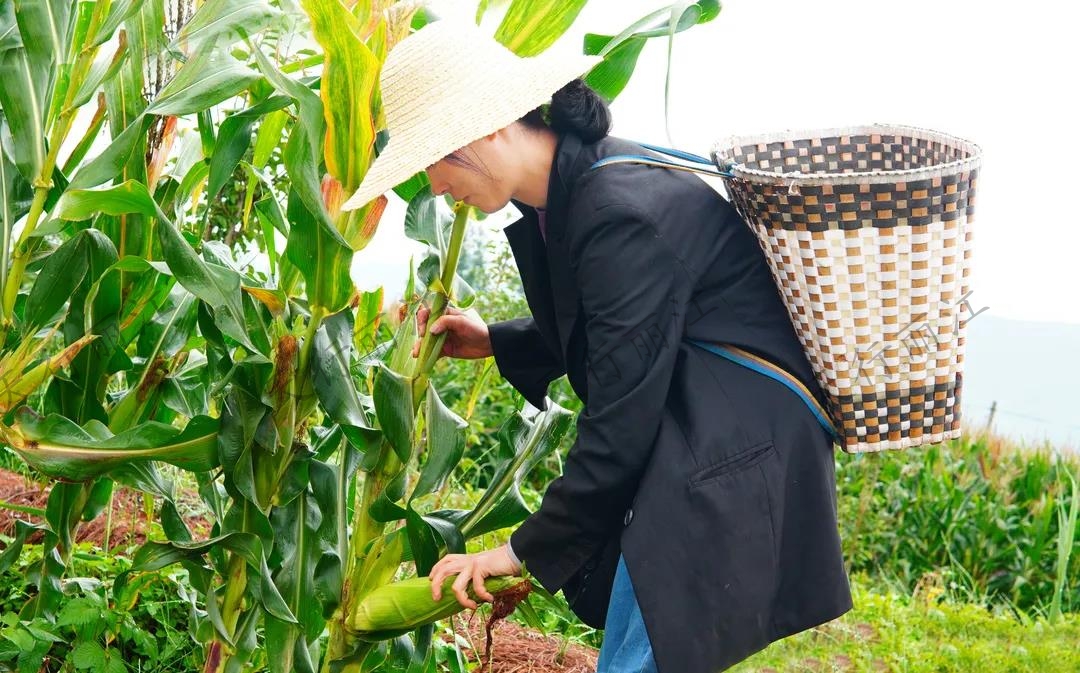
763, 366
693, 162
698, 164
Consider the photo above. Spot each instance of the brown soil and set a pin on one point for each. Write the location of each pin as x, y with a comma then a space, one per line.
519, 649
129, 515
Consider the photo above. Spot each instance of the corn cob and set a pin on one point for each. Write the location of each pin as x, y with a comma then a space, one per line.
400, 607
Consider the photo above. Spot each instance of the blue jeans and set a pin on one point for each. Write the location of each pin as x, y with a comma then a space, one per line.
626, 647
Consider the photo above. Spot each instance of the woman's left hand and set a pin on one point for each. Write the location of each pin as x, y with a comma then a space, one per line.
471, 568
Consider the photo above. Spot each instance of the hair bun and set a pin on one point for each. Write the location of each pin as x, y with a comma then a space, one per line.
578, 109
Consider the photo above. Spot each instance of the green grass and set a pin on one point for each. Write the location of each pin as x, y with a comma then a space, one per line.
990, 518
890, 632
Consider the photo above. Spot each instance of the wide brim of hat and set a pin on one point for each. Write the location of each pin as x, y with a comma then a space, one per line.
462, 114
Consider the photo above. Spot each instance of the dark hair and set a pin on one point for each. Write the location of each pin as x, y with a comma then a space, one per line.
576, 109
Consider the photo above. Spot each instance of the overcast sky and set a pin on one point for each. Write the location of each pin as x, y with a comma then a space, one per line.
1001, 75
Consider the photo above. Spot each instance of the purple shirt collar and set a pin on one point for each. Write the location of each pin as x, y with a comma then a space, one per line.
541, 215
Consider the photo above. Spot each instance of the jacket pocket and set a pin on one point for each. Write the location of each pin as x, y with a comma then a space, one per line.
743, 460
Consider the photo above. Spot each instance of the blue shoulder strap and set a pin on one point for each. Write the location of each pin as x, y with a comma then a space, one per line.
695, 163
763, 366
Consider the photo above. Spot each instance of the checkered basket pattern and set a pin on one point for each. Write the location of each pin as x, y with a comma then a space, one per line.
868, 234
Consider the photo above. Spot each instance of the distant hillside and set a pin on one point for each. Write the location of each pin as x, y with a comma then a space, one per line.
1032, 370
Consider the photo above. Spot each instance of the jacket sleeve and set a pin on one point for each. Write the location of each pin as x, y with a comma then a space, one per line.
524, 359
634, 291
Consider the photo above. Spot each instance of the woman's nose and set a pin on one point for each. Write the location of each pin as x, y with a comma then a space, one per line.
438, 187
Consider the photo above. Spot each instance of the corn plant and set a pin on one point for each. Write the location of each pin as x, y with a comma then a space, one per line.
133, 335
996, 524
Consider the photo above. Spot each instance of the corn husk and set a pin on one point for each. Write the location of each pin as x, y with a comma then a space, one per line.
400, 607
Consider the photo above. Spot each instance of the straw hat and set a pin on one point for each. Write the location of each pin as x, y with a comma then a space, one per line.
448, 84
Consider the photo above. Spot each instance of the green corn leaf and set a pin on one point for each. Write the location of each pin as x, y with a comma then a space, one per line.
62, 272
192, 181
333, 381
44, 27
609, 77
350, 76
233, 140
217, 285
119, 12
531, 26
16, 190
11, 552
91, 134
386, 508
25, 85
186, 391
428, 220
317, 251
368, 316
302, 152
210, 77
161, 339
445, 444
271, 219
157, 555
422, 541
268, 137
112, 160
80, 393
104, 68
128, 197
168, 331
223, 22
301, 535
286, 649
529, 442
60, 448
394, 408
144, 296
621, 51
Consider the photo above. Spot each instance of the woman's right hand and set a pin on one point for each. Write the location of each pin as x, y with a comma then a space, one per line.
466, 334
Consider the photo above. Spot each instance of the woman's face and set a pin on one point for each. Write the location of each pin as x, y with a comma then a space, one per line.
469, 175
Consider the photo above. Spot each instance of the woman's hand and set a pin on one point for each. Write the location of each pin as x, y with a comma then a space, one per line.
466, 334
471, 568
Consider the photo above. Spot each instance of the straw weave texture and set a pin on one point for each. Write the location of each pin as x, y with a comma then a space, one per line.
868, 234
449, 84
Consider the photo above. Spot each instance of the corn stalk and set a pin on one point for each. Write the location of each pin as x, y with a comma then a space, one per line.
308, 452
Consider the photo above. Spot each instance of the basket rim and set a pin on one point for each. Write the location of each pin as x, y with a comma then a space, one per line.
720, 147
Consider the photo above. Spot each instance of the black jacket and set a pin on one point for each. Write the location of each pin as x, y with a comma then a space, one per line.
714, 481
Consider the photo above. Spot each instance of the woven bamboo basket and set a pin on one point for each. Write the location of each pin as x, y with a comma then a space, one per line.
868, 234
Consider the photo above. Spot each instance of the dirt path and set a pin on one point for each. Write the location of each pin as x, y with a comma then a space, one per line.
127, 527
518, 649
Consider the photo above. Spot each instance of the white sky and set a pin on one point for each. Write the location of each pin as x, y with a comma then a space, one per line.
1003, 76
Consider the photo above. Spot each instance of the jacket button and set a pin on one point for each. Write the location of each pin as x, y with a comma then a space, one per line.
629, 517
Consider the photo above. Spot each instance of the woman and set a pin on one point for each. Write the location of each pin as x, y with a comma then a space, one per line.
707, 483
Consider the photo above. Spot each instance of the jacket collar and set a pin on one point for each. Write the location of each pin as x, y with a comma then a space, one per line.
565, 170
545, 269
